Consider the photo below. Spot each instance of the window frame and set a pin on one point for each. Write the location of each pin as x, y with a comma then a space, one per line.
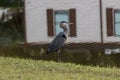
54, 22
114, 22
51, 22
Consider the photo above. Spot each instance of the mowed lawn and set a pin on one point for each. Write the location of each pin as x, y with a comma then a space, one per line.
27, 69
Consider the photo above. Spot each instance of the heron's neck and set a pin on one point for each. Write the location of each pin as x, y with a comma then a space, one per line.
65, 30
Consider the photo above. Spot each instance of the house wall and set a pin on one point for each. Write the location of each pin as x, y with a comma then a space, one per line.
115, 4
87, 17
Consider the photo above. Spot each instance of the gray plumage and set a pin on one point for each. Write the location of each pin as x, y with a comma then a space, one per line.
60, 39
57, 43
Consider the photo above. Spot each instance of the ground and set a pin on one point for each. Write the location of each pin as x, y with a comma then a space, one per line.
27, 69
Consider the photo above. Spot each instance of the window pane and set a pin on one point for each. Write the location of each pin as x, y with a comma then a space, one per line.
117, 29
60, 16
117, 17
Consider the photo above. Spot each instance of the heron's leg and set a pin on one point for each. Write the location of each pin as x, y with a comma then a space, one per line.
58, 55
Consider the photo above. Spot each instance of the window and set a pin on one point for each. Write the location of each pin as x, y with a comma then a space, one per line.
54, 17
60, 16
117, 22
113, 22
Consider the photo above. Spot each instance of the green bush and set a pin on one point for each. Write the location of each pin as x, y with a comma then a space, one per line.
86, 58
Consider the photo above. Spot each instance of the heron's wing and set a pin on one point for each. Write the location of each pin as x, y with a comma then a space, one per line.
58, 42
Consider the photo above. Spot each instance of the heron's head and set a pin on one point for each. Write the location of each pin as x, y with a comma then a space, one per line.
63, 24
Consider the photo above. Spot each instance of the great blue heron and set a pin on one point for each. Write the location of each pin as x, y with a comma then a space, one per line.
59, 41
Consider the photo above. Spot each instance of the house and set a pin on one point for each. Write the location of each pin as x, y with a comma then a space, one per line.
95, 21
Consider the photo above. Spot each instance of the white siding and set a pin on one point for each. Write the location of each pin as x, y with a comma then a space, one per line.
88, 20
115, 4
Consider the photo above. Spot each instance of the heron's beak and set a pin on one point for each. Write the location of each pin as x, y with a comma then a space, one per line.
70, 23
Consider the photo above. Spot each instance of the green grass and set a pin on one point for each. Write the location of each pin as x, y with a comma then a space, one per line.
27, 69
